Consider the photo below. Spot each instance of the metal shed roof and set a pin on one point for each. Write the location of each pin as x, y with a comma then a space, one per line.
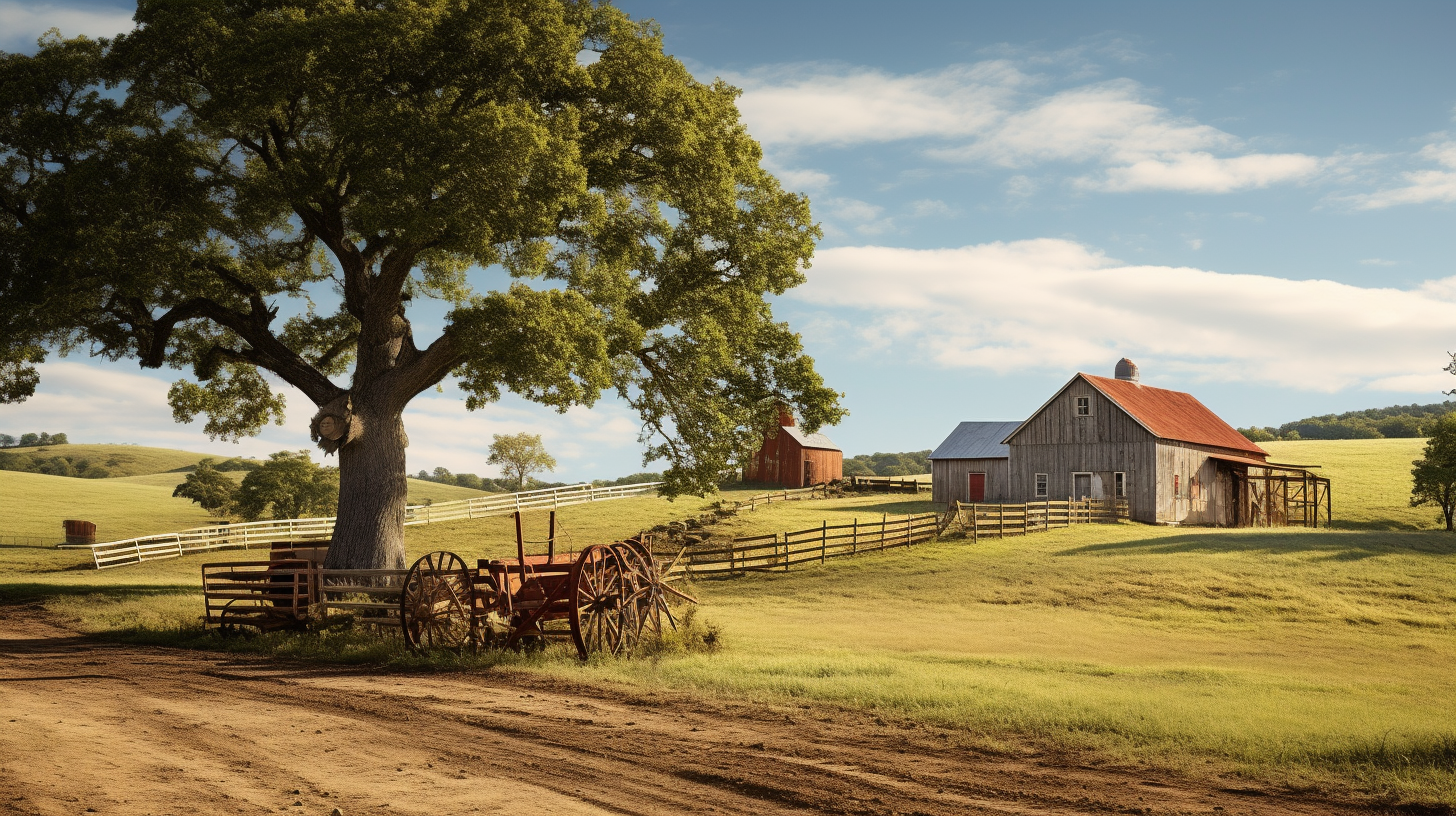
976, 440
813, 440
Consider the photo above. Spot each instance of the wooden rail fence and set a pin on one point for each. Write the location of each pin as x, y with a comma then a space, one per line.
240, 536
812, 491
1001, 520
889, 484
781, 551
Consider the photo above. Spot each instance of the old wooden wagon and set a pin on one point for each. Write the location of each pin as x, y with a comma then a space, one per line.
605, 598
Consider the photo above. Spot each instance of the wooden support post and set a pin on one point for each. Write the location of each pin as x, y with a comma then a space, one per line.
854, 538
884, 519
909, 524
823, 540
520, 547
1000, 521
975, 524
551, 540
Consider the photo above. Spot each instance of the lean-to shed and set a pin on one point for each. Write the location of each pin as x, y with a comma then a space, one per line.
971, 465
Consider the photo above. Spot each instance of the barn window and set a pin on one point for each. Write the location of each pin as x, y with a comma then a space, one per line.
1084, 406
1119, 485
1041, 485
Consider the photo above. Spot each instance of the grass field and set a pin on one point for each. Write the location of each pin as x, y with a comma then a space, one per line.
1313, 659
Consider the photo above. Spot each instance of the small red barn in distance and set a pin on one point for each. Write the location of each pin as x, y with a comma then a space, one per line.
791, 458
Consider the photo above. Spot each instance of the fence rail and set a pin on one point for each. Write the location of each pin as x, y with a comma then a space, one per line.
889, 484
781, 551
1001, 520
809, 492
241, 536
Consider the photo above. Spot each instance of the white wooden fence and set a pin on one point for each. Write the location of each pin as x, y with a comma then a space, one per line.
241, 536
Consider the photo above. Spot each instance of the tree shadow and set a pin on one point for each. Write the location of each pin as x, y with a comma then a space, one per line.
1332, 545
19, 593
892, 508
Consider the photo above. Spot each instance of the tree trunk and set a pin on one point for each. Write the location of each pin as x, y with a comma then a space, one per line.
369, 533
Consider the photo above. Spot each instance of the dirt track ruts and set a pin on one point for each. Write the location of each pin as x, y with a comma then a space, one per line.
112, 729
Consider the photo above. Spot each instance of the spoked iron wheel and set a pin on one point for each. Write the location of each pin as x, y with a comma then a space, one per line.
646, 588
603, 612
435, 604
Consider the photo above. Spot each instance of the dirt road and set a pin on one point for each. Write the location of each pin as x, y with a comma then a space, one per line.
96, 728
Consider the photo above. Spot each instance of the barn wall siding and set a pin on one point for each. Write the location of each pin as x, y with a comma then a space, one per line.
948, 482
1059, 443
781, 462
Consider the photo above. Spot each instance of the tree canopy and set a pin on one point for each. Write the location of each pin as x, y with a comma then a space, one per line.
241, 187
520, 455
1434, 474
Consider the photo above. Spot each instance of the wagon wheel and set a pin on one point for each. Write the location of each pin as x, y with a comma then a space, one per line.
647, 594
434, 605
603, 615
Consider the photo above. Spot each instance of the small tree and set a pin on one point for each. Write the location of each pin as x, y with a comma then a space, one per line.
210, 488
7, 441
1435, 474
520, 455
292, 486
29, 440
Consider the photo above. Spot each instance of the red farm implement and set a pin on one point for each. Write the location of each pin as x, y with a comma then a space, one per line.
604, 598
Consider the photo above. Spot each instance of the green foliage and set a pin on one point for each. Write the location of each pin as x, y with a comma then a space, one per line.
249, 156
31, 440
210, 489
520, 455
1395, 422
289, 485
888, 464
75, 466
1434, 475
635, 478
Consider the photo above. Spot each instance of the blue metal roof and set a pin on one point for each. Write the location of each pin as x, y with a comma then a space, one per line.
976, 440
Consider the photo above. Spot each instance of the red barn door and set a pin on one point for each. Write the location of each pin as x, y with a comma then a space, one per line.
977, 486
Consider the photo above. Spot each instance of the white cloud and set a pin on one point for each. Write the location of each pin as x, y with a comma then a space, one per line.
1421, 186
932, 207
101, 402
992, 113
804, 180
862, 216
1053, 304
1377, 262
23, 23
1195, 243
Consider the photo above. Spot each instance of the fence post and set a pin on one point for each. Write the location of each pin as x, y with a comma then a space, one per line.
786, 549
823, 540
1000, 521
975, 524
909, 522
854, 538
884, 518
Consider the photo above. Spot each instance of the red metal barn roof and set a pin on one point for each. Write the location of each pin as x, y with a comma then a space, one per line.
1173, 415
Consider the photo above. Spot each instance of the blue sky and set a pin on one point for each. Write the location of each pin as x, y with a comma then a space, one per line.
1253, 201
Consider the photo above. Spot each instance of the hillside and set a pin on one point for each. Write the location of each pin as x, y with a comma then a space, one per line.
1370, 479
36, 504
118, 460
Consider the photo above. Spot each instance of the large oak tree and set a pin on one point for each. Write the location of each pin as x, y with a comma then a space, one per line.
167, 195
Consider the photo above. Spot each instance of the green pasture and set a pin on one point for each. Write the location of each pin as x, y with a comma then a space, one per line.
122, 460
1320, 660
1370, 480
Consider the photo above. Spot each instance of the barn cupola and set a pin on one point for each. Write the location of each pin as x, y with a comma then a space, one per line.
1126, 370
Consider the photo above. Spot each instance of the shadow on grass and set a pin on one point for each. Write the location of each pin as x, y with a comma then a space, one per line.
23, 593
889, 507
1335, 545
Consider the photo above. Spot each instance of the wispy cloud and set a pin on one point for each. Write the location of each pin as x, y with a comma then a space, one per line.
992, 113
1052, 304
1420, 186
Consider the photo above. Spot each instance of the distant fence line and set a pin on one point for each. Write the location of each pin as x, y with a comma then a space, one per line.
26, 540
752, 502
240, 536
780, 552
889, 484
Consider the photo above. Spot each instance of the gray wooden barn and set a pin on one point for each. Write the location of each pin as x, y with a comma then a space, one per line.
971, 464
1172, 459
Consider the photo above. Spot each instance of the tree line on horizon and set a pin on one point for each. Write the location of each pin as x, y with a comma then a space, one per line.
1395, 422
33, 440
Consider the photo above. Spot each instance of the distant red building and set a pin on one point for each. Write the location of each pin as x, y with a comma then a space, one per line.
791, 458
